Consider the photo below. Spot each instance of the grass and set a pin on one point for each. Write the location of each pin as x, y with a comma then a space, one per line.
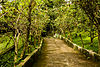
86, 41
8, 58
4, 40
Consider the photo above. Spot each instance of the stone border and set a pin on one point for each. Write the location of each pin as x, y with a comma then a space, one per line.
88, 53
30, 58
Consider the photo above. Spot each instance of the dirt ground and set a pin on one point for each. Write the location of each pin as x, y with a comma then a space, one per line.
56, 53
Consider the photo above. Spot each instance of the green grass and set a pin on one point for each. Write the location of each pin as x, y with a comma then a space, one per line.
9, 56
4, 41
86, 41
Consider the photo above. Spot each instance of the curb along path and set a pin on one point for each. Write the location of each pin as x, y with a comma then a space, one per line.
56, 53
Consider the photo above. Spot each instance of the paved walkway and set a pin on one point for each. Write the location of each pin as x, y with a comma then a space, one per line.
56, 53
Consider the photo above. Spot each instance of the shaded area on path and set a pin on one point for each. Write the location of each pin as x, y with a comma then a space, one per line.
56, 53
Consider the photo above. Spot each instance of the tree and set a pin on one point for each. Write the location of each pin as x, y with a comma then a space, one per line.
91, 8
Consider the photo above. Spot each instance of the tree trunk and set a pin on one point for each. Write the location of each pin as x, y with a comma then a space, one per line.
35, 41
98, 41
62, 32
28, 26
91, 32
16, 50
39, 37
39, 40
92, 37
25, 46
23, 52
81, 40
27, 41
92, 41
16, 47
70, 35
16, 40
32, 4
31, 38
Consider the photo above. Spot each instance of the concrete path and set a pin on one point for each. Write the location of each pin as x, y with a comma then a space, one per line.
56, 53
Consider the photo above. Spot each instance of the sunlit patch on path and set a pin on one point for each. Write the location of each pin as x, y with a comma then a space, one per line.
56, 53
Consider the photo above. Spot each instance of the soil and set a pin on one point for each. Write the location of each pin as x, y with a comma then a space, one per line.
56, 53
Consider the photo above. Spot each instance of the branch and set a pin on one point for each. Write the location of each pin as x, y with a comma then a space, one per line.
8, 42
3, 14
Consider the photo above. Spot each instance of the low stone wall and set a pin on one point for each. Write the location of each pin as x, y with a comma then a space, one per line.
28, 61
88, 53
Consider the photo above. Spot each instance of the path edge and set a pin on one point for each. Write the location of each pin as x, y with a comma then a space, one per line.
88, 53
31, 57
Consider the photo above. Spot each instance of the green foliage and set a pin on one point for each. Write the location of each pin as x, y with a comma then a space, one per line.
87, 42
33, 17
3, 43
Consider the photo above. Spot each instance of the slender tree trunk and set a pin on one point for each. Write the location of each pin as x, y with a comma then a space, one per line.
39, 40
16, 47
39, 37
16, 50
92, 40
92, 32
81, 40
92, 37
70, 35
25, 45
99, 41
23, 52
16, 40
27, 41
29, 20
31, 38
31, 5
62, 32
35, 41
